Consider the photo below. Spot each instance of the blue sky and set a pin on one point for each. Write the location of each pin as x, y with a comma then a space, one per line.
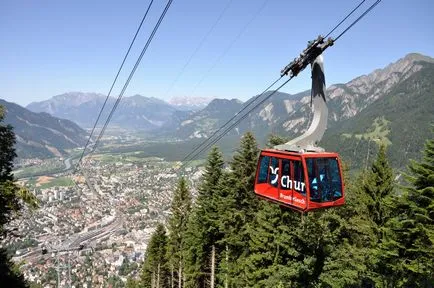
50, 47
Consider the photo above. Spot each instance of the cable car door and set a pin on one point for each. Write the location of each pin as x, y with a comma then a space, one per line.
299, 199
285, 187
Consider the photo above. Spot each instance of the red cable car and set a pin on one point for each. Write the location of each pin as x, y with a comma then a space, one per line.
298, 174
302, 181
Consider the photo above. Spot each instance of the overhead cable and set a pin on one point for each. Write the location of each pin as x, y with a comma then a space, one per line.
198, 47
228, 48
233, 117
193, 154
114, 81
145, 48
346, 17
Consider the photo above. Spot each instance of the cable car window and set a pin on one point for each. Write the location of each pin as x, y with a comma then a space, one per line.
335, 176
298, 182
285, 182
324, 179
274, 172
313, 181
263, 169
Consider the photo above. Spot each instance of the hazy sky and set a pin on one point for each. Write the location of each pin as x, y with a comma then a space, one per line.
49, 47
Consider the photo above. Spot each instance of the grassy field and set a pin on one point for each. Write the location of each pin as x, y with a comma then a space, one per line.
44, 182
377, 132
129, 157
48, 167
60, 181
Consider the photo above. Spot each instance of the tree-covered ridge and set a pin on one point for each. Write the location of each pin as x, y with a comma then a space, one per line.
401, 118
382, 237
40, 134
13, 199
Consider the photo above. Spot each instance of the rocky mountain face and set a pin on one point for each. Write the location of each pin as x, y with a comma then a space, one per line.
201, 123
290, 113
346, 100
274, 110
401, 117
393, 105
40, 134
61, 105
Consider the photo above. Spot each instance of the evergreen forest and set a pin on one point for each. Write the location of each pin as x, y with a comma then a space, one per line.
227, 237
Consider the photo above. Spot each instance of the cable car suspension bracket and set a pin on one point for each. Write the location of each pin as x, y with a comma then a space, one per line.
314, 49
307, 142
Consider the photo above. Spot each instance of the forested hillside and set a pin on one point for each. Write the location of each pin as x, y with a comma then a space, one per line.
230, 238
400, 119
40, 134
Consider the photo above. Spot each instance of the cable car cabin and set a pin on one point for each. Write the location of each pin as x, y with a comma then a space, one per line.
304, 182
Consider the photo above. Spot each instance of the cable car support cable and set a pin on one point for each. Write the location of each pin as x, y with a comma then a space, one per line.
132, 74
113, 84
294, 68
230, 120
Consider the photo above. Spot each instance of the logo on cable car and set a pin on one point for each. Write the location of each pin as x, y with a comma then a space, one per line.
294, 199
286, 182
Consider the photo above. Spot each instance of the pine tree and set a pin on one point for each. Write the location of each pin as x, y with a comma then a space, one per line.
13, 198
271, 246
274, 140
243, 206
9, 202
351, 255
224, 203
409, 246
180, 211
155, 271
377, 192
243, 166
203, 226
379, 186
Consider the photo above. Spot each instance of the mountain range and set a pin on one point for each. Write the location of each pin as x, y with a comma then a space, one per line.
40, 134
134, 112
372, 108
393, 105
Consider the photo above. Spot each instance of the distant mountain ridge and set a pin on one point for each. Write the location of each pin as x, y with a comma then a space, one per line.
290, 115
393, 105
190, 103
40, 134
215, 114
134, 112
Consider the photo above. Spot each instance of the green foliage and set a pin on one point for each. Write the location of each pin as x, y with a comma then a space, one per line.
408, 245
12, 200
131, 283
155, 267
378, 186
382, 237
180, 211
9, 274
115, 281
51, 275
127, 267
407, 110
238, 206
274, 140
203, 226
7, 151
